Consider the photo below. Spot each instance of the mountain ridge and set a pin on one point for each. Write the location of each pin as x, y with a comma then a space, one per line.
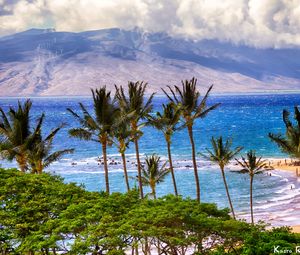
45, 62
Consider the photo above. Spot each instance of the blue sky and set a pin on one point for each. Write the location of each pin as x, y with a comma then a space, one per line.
259, 23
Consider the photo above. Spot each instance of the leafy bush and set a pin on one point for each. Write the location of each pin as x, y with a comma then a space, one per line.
40, 214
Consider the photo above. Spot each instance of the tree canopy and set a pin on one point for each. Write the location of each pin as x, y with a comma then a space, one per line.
40, 214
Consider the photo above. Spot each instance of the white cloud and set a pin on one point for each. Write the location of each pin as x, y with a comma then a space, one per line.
267, 23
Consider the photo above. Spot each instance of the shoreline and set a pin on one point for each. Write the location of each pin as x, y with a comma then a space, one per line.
284, 164
279, 164
287, 165
296, 229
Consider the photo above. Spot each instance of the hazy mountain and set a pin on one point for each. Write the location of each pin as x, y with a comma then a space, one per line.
45, 62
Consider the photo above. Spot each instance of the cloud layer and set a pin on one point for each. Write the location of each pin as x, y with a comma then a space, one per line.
259, 23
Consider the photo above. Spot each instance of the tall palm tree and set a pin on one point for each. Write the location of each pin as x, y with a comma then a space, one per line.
289, 144
221, 154
40, 155
188, 97
15, 134
252, 165
122, 135
167, 122
137, 107
153, 173
100, 127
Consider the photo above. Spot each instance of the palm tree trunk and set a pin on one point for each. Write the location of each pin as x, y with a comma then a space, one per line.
190, 130
251, 199
139, 167
125, 171
227, 191
40, 167
171, 168
21, 160
104, 144
153, 191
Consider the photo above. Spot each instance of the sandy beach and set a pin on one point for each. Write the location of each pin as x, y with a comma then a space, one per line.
296, 229
287, 165
284, 164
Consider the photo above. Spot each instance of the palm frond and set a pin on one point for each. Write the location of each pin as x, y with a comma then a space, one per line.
252, 164
81, 133
55, 156
221, 152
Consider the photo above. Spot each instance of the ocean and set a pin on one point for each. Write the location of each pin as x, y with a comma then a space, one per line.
246, 119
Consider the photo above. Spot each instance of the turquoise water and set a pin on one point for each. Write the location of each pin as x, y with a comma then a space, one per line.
247, 119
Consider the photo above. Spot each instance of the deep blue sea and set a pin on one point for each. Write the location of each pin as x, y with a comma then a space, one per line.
246, 119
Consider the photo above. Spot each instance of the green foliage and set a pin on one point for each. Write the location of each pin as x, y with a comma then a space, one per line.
101, 124
19, 141
252, 164
136, 108
28, 203
167, 120
40, 155
135, 103
153, 173
15, 133
289, 144
221, 152
261, 242
42, 215
188, 98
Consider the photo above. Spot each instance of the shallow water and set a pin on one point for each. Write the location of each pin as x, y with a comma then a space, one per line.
247, 119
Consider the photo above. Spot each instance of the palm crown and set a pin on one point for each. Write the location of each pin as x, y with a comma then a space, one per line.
40, 155
221, 152
16, 135
189, 99
289, 144
153, 173
15, 129
122, 135
106, 112
135, 103
167, 121
252, 164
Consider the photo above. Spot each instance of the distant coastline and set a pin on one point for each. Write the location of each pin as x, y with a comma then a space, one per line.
161, 95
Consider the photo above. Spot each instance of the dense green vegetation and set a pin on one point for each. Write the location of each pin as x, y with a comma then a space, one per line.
42, 215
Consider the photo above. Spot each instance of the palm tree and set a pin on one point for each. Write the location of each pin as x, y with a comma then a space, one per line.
100, 127
122, 135
15, 134
39, 154
192, 108
167, 122
289, 144
137, 108
153, 173
221, 154
252, 166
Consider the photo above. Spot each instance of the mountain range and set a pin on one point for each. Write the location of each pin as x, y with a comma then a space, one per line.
43, 62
